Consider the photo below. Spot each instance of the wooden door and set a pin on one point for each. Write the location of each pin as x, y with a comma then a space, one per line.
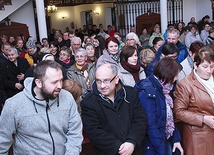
147, 20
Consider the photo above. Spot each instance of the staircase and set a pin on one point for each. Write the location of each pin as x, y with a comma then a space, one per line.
9, 7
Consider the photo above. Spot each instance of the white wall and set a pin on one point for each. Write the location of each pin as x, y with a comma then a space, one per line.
25, 15
203, 8
197, 9
77, 14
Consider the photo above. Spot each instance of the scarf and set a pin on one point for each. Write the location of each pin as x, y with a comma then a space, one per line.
115, 57
208, 85
133, 69
83, 70
170, 126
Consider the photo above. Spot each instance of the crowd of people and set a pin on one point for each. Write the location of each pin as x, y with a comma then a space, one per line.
151, 94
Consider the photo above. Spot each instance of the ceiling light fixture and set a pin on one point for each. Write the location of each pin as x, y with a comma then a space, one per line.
51, 8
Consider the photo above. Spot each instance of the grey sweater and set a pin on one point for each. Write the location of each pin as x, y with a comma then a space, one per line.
40, 127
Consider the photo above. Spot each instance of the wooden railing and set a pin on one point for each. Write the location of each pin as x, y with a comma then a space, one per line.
132, 9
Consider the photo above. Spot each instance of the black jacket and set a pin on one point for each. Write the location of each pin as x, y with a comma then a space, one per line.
109, 124
9, 73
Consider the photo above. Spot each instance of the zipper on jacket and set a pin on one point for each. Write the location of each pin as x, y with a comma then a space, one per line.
49, 127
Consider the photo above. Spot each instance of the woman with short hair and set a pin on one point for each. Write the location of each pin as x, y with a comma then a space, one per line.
193, 105
111, 53
162, 136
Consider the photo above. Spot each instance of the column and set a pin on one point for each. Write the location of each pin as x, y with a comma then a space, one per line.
163, 12
40, 9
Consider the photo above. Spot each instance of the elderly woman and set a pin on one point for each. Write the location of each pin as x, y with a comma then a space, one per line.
162, 136
130, 71
133, 40
111, 54
66, 58
82, 72
90, 49
193, 105
12, 72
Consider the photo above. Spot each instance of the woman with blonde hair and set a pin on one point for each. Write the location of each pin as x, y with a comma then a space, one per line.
146, 57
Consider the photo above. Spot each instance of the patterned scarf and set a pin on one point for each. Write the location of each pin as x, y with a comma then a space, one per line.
170, 126
115, 57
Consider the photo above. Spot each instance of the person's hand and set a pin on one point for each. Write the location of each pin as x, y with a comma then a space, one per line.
126, 148
179, 147
20, 77
209, 120
19, 86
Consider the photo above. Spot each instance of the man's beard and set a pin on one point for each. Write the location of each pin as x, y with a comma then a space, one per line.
47, 95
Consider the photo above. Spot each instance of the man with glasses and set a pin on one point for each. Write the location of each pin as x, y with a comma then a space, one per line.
113, 118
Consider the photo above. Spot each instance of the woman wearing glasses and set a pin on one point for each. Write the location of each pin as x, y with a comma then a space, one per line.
82, 72
193, 105
130, 70
162, 136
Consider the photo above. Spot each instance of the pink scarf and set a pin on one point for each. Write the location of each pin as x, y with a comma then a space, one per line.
170, 126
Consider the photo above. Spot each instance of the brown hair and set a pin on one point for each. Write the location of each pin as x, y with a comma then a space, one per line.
127, 51
205, 54
195, 46
111, 39
73, 87
67, 49
166, 69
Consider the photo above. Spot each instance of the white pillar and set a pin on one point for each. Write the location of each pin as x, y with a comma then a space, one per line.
40, 9
163, 12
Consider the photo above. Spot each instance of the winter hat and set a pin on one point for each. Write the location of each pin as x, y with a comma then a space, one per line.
31, 44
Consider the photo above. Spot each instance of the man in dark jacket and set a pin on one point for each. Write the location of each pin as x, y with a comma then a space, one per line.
113, 119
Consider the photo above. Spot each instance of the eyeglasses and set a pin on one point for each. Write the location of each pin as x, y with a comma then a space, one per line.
106, 81
63, 54
130, 39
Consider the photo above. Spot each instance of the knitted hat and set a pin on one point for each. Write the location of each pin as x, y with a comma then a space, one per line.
31, 44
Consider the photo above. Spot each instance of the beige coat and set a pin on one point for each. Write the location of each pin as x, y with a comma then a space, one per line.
191, 103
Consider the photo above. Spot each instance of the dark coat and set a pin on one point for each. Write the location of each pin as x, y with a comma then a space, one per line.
153, 101
9, 73
108, 126
2, 93
182, 54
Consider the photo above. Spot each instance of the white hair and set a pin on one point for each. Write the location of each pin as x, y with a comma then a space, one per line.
134, 36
